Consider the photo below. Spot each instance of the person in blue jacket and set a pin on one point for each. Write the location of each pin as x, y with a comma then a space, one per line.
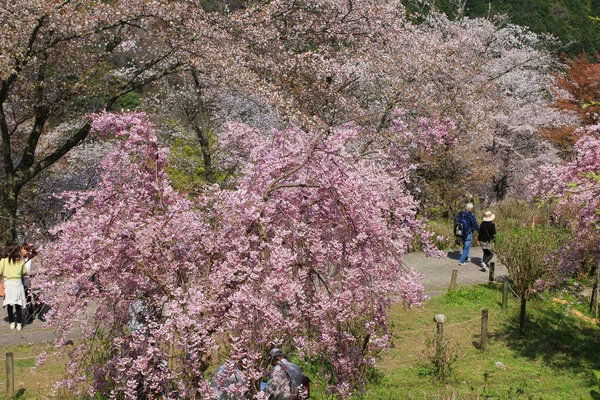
470, 227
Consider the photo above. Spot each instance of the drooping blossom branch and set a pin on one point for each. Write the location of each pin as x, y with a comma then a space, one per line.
304, 253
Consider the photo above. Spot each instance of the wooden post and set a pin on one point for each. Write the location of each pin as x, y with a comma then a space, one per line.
504, 295
492, 272
596, 297
453, 279
484, 333
438, 339
10, 375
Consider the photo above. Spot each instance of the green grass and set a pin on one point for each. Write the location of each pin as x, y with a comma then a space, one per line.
28, 383
554, 361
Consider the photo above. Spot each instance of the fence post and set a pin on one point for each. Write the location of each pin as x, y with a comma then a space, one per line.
453, 279
10, 375
595, 291
438, 339
484, 333
594, 295
504, 294
492, 272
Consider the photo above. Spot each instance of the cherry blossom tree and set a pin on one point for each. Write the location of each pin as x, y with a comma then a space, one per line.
61, 59
322, 63
314, 64
303, 253
573, 188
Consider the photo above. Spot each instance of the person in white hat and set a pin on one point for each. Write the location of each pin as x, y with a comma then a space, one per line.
487, 231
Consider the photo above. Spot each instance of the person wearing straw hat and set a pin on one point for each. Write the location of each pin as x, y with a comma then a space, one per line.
487, 231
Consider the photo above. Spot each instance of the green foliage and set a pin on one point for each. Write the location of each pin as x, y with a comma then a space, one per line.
443, 233
440, 355
575, 22
186, 166
527, 254
595, 394
513, 213
128, 102
463, 296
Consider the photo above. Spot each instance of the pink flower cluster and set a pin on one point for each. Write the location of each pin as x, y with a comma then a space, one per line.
304, 253
574, 188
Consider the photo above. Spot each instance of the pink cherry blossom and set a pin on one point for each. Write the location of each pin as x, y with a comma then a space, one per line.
304, 253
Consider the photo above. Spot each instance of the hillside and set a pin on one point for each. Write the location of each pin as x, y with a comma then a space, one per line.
574, 22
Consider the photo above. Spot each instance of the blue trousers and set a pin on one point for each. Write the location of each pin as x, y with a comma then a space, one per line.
466, 248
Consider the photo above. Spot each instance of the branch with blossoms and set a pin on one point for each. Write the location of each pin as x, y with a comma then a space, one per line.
310, 266
573, 188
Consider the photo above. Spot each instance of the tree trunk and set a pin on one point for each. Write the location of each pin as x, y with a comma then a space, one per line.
204, 140
522, 317
8, 212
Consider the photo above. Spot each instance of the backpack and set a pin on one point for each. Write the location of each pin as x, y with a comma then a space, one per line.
460, 224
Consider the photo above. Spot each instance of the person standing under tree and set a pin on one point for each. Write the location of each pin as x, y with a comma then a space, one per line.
469, 226
229, 382
12, 269
487, 231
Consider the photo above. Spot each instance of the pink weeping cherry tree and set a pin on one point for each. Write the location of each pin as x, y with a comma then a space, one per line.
304, 253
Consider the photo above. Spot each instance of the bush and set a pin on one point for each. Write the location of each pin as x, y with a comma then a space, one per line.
513, 213
128, 102
443, 233
529, 256
440, 355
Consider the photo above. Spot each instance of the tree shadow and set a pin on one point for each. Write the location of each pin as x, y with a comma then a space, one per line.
559, 342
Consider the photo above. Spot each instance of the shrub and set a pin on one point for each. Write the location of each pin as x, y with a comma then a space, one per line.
513, 213
440, 355
443, 233
529, 257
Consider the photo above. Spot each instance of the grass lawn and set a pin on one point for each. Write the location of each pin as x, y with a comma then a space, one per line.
554, 361
30, 382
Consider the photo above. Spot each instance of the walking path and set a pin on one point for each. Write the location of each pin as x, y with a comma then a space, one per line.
437, 272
